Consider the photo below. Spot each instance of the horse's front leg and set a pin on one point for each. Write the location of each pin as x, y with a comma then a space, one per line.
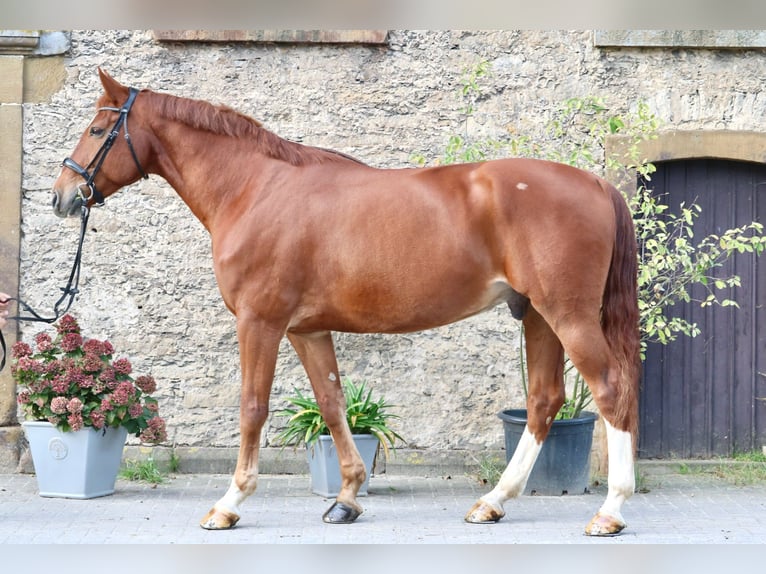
317, 354
258, 348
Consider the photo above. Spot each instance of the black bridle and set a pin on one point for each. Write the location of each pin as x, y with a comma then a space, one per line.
98, 159
71, 290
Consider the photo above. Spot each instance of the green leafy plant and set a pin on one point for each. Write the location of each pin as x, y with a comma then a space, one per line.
670, 263
364, 414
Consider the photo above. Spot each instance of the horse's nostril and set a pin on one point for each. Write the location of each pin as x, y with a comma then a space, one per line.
55, 200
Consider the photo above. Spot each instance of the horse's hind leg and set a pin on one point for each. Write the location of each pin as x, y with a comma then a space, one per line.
317, 354
258, 347
615, 395
545, 362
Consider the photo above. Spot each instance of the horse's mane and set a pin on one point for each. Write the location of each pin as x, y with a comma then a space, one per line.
223, 120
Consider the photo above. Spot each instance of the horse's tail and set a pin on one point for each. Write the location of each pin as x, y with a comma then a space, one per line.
619, 314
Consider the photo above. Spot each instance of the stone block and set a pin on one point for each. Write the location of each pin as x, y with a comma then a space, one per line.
43, 77
12, 73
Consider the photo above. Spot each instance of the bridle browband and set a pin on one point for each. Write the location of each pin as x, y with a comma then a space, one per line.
98, 159
70, 291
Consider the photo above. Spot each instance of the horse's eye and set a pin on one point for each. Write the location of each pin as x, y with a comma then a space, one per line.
96, 131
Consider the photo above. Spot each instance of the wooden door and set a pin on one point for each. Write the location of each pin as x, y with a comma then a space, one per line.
706, 396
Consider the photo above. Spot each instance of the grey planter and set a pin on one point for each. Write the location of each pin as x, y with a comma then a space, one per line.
79, 464
325, 469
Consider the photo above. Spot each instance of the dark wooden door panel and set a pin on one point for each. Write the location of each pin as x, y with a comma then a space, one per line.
705, 396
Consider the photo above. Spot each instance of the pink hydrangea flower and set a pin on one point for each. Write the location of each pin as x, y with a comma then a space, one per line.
85, 381
92, 363
75, 421
122, 366
30, 365
43, 342
71, 342
53, 367
93, 347
20, 350
135, 410
107, 376
60, 384
155, 432
59, 405
123, 393
97, 418
67, 324
147, 384
74, 405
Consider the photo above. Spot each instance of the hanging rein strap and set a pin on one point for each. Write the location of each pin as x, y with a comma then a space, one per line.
71, 290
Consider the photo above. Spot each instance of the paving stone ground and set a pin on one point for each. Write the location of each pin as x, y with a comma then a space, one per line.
690, 509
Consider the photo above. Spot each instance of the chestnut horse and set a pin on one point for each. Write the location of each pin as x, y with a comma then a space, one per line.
307, 241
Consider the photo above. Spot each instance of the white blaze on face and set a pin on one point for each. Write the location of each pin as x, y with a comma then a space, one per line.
521, 186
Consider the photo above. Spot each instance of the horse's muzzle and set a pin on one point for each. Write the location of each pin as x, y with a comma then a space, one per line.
65, 208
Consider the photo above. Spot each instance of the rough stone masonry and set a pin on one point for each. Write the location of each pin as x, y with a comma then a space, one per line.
148, 284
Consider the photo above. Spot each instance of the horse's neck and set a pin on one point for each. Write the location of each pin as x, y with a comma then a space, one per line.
207, 177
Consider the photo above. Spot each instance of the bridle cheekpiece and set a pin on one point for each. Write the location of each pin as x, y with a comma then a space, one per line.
98, 159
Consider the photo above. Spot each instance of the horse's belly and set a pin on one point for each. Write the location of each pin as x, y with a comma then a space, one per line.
406, 313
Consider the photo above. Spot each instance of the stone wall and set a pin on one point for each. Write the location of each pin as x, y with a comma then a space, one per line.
147, 280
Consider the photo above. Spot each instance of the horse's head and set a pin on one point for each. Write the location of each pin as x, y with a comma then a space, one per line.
102, 162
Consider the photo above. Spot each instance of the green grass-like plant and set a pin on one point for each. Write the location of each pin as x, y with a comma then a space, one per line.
742, 469
364, 414
143, 471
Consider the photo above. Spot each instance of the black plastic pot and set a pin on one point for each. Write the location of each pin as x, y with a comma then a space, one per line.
563, 466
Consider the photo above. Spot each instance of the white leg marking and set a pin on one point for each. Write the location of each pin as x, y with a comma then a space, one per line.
232, 499
622, 480
515, 475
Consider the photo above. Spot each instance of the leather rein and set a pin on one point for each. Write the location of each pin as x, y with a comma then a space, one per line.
71, 290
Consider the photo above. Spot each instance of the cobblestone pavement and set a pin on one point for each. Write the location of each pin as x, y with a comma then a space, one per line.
695, 509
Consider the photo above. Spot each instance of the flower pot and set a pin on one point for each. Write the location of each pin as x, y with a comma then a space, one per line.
563, 466
78, 464
325, 469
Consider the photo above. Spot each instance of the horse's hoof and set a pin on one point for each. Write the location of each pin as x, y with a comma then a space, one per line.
604, 525
484, 513
219, 520
340, 513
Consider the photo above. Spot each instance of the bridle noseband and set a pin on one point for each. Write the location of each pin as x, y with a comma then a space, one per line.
101, 154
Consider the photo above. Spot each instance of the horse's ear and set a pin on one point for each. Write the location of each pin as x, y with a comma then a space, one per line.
112, 87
